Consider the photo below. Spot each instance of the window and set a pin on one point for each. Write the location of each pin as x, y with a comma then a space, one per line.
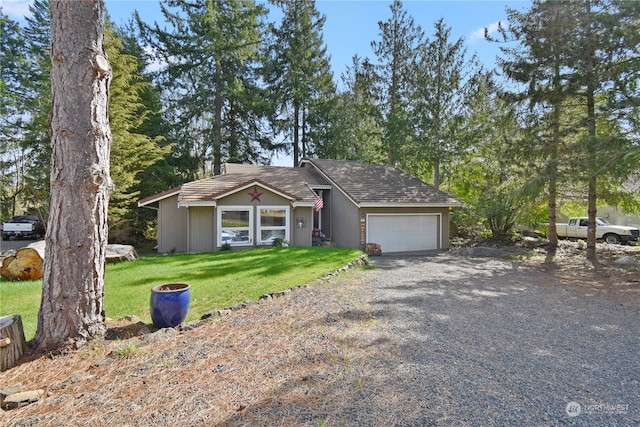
273, 223
236, 224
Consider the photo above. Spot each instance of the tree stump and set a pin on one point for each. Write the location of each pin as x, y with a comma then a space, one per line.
12, 342
26, 264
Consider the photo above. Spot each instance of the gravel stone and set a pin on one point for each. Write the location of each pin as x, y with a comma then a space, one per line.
492, 342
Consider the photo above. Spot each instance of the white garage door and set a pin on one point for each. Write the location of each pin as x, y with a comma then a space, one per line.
400, 233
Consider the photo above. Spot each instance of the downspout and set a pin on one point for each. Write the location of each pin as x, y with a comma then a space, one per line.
188, 229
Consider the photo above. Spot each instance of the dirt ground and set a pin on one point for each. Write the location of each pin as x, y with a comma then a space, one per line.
314, 357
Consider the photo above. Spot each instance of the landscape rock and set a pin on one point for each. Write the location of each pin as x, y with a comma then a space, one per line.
23, 398
8, 391
626, 260
72, 379
160, 334
115, 253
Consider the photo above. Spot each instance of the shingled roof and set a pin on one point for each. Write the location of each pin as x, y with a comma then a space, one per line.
364, 184
293, 183
378, 185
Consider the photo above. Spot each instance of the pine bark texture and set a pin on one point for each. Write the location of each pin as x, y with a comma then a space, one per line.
73, 285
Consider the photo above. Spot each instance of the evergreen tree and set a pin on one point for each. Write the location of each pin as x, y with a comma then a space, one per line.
444, 79
361, 138
598, 64
12, 159
132, 151
211, 55
297, 73
570, 56
485, 175
540, 66
72, 307
396, 53
36, 81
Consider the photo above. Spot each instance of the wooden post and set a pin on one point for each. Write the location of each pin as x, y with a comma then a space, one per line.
12, 342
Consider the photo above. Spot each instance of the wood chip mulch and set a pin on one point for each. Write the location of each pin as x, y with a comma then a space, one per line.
298, 360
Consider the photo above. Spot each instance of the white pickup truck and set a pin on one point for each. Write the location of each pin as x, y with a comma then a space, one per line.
577, 228
23, 226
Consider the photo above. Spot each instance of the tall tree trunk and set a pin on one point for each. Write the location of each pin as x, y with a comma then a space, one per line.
552, 172
436, 173
73, 284
217, 125
592, 182
592, 140
552, 206
304, 133
296, 133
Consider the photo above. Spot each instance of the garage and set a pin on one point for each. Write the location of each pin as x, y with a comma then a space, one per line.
404, 232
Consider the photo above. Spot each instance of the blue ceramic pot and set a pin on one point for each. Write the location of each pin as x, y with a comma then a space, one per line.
170, 304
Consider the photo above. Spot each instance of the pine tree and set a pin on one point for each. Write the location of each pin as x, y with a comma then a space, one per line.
597, 61
132, 152
298, 75
36, 81
396, 53
443, 80
570, 59
362, 136
540, 65
72, 308
211, 55
484, 175
12, 159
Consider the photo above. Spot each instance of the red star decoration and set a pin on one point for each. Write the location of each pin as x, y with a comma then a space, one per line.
255, 195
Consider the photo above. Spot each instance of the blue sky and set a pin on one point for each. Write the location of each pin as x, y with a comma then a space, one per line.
352, 25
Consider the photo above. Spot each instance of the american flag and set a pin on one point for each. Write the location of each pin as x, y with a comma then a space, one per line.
319, 203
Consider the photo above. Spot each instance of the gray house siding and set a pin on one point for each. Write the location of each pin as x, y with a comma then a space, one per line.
172, 226
301, 232
201, 229
345, 232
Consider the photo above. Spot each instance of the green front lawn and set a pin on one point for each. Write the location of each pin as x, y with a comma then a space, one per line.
217, 280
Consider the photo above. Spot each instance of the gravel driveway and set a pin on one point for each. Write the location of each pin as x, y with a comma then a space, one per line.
484, 341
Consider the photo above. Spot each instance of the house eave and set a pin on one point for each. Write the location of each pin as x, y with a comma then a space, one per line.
299, 204
409, 205
146, 203
190, 203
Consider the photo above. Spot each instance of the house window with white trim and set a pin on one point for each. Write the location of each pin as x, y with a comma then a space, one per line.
236, 224
273, 224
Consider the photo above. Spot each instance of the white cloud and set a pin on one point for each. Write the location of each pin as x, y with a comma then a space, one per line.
15, 9
479, 33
